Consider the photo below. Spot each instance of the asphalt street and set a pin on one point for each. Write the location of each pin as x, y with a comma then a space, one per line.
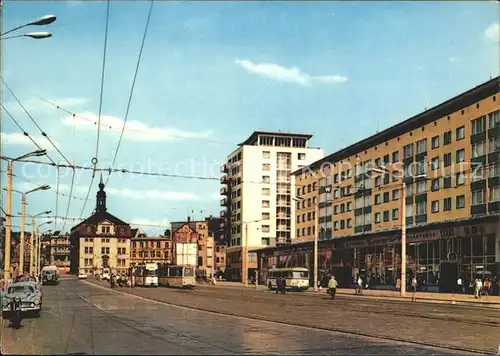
81, 318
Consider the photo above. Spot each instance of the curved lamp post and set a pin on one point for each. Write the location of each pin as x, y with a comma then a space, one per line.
41, 21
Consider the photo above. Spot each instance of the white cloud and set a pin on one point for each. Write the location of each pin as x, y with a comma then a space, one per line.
20, 139
141, 221
134, 130
216, 196
493, 32
452, 59
290, 75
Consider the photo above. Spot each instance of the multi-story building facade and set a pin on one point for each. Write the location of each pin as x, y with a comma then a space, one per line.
258, 193
145, 248
60, 250
101, 240
448, 159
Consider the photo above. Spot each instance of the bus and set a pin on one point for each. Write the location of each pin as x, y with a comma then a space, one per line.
176, 276
296, 278
146, 274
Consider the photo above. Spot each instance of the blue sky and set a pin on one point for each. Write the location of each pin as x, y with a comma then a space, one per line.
213, 72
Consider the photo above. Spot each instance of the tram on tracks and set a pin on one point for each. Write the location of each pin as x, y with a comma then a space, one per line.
176, 276
146, 275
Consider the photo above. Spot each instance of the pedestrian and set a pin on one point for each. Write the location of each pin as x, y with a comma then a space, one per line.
477, 288
278, 285
398, 284
360, 286
487, 286
283, 285
332, 287
414, 287
460, 285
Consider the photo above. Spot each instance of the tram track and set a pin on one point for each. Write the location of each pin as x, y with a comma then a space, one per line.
358, 333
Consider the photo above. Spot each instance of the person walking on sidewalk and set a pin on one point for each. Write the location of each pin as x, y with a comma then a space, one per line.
414, 288
460, 285
477, 288
359, 286
332, 287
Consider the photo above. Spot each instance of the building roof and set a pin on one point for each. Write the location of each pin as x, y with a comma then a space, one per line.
254, 135
448, 107
99, 216
159, 238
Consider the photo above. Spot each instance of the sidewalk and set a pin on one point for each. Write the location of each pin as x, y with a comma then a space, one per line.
442, 298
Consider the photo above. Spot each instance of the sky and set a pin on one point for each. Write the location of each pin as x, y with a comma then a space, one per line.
210, 74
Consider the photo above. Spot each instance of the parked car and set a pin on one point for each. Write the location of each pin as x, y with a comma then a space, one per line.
82, 275
28, 292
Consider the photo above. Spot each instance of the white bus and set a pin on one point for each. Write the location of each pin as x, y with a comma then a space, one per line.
176, 276
146, 274
296, 278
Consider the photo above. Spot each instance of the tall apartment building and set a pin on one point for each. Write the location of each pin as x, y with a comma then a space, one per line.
257, 186
448, 158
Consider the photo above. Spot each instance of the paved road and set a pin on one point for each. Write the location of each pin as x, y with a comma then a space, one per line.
79, 317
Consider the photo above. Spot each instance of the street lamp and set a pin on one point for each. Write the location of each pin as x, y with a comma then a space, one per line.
33, 245
8, 230
23, 216
39, 249
41, 21
34, 35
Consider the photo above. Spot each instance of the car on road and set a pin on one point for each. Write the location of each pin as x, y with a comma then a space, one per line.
28, 292
82, 275
50, 275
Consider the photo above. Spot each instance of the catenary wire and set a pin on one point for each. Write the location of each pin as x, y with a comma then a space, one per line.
95, 158
132, 88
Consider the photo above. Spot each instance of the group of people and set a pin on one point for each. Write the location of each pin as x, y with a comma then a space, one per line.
480, 287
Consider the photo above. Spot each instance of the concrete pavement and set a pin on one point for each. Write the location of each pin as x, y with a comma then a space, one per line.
443, 325
80, 318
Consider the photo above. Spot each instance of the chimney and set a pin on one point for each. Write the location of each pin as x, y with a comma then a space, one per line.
189, 219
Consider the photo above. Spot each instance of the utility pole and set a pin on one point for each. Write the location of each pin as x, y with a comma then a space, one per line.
244, 257
8, 228
32, 246
403, 240
21, 248
316, 232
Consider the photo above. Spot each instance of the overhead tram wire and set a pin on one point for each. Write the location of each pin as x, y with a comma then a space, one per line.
131, 89
44, 134
75, 115
54, 164
95, 159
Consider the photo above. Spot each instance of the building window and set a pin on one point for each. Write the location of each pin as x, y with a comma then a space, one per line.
478, 197
421, 168
386, 197
409, 190
335, 225
435, 142
408, 151
447, 204
460, 156
421, 187
435, 206
265, 228
447, 138
298, 232
266, 216
435, 185
447, 159
266, 191
265, 203
493, 144
422, 208
460, 178
395, 194
266, 167
435, 163
479, 125
349, 222
377, 181
386, 216
447, 182
478, 149
478, 173
348, 206
378, 199
460, 133
266, 179
377, 218
494, 170
409, 210
395, 214
422, 146
266, 154
495, 193
460, 201
301, 156
494, 119
103, 229
266, 241
395, 156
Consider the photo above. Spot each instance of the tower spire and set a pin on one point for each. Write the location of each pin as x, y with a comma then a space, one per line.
101, 198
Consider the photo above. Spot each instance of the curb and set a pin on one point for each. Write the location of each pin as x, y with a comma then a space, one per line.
331, 329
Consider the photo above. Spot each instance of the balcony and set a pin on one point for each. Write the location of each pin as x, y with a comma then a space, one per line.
223, 191
223, 202
224, 168
222, 225
224, 179
223, 213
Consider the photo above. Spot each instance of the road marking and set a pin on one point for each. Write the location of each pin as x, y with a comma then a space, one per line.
353, 334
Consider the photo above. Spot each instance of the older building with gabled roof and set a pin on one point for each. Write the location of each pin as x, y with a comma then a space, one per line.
100, 241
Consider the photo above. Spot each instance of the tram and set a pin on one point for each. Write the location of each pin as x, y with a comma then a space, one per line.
176, 276
146, 275
296, 278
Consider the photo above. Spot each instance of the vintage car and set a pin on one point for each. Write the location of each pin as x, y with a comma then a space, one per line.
30, 294
50, 275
